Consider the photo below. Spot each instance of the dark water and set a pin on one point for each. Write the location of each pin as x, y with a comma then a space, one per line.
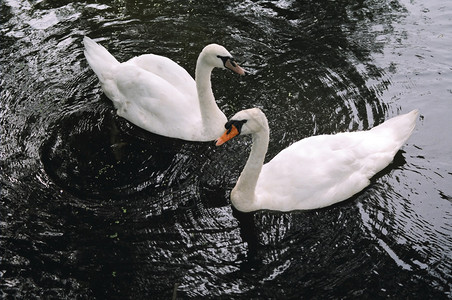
94, 207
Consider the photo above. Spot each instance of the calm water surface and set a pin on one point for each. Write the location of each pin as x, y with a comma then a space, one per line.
93, 207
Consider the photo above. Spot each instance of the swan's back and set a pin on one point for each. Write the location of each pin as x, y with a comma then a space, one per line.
104, 65
168, 70
322, 170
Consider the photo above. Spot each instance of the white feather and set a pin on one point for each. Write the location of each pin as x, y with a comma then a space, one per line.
158, 95
317, 171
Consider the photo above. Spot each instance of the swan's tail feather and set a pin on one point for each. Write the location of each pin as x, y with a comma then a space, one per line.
385, 140
400, 127
392, 134
100, 60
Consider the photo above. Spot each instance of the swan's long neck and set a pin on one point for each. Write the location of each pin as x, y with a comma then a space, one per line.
243, 195
213, 118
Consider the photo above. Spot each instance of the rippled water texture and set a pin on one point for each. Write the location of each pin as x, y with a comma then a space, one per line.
94, 207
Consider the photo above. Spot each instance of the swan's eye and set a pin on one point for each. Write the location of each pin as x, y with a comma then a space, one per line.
237, 124
225, 59
228, 125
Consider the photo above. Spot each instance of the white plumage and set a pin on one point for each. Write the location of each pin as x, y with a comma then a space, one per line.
314, 172
158, 95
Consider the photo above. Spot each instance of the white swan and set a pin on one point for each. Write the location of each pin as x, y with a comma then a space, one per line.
314, 172
158, 95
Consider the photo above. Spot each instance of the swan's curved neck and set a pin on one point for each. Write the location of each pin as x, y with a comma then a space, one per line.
243, 195
210, 113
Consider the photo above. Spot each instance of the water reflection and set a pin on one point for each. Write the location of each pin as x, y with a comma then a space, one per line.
94, 207
106, 157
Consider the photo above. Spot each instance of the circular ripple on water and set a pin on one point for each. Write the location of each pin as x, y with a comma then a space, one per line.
101, 156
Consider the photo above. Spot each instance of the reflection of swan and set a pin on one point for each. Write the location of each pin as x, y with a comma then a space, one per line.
157, 94
315, 172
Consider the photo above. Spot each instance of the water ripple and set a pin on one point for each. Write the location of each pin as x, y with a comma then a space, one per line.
94, 207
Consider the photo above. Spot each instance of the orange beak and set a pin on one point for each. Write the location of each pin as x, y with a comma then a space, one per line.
234, 67
227, 135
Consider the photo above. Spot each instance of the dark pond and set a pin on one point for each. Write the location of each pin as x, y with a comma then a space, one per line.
93, 207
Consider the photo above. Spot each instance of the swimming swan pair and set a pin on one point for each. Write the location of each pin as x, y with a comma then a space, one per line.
155, 93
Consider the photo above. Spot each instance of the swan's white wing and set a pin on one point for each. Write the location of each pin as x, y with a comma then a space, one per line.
319, 171
167, 69
152, 103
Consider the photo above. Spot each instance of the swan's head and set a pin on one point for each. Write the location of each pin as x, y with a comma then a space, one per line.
244, 122
217, 56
